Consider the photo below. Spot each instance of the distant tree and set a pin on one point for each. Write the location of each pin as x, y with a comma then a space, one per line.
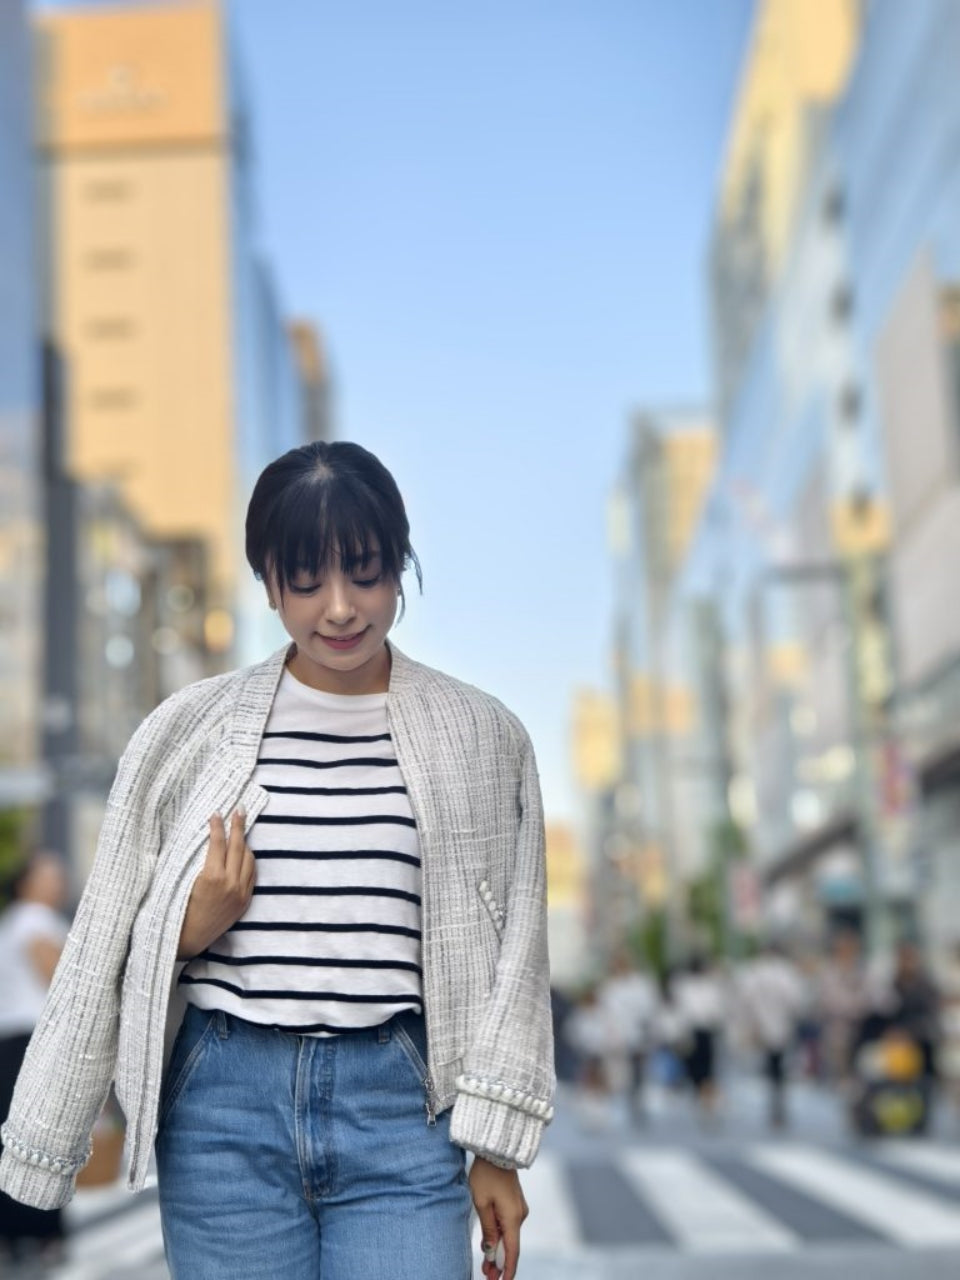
14, 827
648, 942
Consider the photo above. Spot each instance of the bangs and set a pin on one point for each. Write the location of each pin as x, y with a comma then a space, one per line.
336, 522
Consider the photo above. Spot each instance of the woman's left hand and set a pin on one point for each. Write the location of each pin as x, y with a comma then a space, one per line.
498, 1198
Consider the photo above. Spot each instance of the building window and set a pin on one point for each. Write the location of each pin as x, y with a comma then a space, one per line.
107, 190
109, 328
850, 403
113, 398
109, 259
834, 206
841, 303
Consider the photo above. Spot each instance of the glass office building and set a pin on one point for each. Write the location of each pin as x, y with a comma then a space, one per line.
21, 547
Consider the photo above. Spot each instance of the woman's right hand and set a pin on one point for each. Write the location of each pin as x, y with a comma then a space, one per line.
222, 891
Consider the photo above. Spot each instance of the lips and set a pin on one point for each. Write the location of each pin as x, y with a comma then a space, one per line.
343, 642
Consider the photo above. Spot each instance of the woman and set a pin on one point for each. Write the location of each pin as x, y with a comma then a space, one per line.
32, 933
699, 999
344, 849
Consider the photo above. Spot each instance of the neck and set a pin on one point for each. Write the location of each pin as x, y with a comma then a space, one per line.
372, 677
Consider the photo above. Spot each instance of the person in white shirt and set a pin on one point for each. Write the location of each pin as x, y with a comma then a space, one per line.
630, 998
773, 997
32, 934
699, 999
590, 1031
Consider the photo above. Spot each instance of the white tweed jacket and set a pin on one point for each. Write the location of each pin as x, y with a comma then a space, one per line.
469, 768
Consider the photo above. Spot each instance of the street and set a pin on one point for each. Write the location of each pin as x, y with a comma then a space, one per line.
671, 1201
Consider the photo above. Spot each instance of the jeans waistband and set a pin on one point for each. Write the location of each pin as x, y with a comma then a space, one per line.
228, 1024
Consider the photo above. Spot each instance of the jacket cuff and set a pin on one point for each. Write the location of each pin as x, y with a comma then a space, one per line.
33, 1185
507, 1133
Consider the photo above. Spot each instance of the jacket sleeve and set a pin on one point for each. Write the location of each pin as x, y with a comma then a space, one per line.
505, 1092
70, 1061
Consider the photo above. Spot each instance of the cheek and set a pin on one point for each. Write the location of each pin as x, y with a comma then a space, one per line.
389, 605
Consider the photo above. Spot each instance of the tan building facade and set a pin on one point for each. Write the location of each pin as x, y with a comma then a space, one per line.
155, 277
133, 136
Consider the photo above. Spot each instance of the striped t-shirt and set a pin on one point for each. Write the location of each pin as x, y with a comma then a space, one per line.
331, 939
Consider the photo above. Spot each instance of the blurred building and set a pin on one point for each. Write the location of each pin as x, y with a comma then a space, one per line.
668, 471
895, 139
813, 617
566, 903
797, 63
314, 380
21, 498
182, 381
609, 888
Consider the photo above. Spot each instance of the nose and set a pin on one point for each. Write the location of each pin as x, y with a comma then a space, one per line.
339, 602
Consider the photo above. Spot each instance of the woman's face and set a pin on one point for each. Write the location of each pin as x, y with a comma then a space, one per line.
339, 623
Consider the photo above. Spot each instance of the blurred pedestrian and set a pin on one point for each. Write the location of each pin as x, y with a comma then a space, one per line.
630, 997
810, 1024
668, 1036
366, 981
700, 1000
844, 1000
561, 1006
915, 1005
896, 1047
948, 1061
32, 933
773, 999
592, 1034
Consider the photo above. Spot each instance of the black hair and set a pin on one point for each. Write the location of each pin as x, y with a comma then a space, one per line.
13, 882
322, 501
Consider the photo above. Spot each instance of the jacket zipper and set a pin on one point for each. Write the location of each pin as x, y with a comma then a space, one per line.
430, 1104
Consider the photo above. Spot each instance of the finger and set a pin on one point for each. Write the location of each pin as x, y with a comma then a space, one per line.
511, 1252
489, 1237
217, 849
236, 847
249, 874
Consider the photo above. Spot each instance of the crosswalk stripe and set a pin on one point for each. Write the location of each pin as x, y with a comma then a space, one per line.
674, 1199
931, 1161
552, 1224
899, 1212
705, 1214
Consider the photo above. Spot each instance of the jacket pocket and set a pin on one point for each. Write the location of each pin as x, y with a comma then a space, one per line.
494, 910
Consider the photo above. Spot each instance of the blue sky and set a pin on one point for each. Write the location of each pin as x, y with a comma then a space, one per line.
498, 214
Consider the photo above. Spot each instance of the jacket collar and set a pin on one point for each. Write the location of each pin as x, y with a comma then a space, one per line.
255, 697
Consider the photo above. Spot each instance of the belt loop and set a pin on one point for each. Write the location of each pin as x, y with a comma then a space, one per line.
383, 1033
223, 1025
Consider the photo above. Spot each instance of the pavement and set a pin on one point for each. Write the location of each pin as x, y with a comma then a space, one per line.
673, 1199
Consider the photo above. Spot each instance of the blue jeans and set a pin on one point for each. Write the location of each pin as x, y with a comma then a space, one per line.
281, 1155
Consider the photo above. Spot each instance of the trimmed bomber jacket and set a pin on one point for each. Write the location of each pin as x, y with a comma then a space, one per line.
471, 776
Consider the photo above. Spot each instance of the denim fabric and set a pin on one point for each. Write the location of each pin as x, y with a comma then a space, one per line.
307, 1158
